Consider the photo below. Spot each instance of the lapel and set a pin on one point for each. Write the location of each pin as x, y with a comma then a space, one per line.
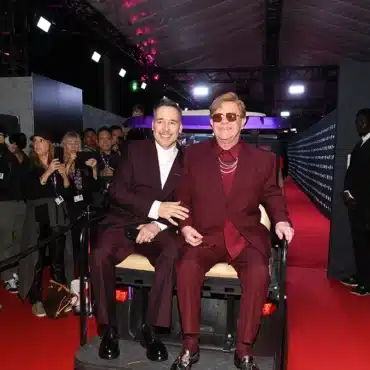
151, 167
213, 173
243, 168
175, 174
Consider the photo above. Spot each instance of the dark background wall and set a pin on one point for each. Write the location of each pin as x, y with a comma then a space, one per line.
311, 161
353, 94
16, 100
57, 107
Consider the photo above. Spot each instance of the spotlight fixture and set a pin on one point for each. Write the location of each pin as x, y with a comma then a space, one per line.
143, 85
122, 72
285, 114
43, 24
96, 57
297, 89
200, 91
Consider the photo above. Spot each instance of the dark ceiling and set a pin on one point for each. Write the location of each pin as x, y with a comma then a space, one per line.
228, 34
255, 47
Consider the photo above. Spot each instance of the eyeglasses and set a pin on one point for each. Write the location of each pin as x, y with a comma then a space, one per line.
230, 117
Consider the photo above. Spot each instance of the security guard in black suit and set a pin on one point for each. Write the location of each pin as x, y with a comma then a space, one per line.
356, 197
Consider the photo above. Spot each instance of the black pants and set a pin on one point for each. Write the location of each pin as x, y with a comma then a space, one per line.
56, 256
361, 247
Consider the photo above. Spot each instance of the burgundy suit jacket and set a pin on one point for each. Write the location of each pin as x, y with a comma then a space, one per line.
201, 190
137, 184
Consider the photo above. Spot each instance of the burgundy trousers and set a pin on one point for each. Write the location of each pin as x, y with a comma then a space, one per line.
253, 272
113, 247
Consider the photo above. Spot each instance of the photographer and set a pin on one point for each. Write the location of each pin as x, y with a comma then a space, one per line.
117, 139
13, 167
47, 189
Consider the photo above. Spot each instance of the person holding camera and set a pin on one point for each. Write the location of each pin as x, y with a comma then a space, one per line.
13, 162
47, 189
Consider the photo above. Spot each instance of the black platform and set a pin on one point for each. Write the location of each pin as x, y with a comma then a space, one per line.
133, 358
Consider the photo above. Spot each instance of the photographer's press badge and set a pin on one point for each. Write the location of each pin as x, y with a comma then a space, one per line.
59, 200
78, 198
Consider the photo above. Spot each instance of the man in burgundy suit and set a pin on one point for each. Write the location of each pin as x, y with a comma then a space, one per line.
142, 202
223, 184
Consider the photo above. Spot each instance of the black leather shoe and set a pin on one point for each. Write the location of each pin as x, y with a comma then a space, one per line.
109, 345
185, 360
155, 349
351, 281
360, 290
245, 363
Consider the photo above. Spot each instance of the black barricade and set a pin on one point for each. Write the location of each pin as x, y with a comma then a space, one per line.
86, 219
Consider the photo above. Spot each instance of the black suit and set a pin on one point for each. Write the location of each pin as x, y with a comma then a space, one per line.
357, 182
136, 184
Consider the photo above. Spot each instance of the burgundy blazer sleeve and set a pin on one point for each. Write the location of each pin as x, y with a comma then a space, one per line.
184, 191
121, 192
273, 198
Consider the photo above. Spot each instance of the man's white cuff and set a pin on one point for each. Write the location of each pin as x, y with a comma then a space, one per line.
154, 209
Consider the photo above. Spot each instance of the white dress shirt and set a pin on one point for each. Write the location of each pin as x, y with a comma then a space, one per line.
166, 157
365, 138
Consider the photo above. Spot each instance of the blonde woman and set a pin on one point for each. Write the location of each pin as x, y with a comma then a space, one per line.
81, 169
46, 191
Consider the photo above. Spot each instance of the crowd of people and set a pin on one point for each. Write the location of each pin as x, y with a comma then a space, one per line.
184, 209
44, 191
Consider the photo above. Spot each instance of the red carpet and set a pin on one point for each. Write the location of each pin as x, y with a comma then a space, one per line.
328, 327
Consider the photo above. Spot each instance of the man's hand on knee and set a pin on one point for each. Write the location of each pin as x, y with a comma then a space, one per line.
147, 233
192, 236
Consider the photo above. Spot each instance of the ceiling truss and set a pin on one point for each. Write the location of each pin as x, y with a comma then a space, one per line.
246, 75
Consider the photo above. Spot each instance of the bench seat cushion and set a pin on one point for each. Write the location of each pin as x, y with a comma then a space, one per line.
221, 270
141, 263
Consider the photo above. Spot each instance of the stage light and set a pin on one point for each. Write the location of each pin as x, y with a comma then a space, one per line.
122, 72
200, 91
285, 114
297, 89
96, 57
44, 24
293, 129
143, 85
134, 86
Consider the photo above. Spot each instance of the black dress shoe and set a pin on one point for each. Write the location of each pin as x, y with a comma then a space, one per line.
351, 281
155, 349
360, 290
109, 345
245, 363
185, 360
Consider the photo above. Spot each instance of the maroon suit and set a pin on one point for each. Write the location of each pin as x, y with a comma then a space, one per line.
224, 209
135, 186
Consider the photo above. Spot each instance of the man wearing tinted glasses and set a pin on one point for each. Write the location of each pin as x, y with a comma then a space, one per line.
223, 184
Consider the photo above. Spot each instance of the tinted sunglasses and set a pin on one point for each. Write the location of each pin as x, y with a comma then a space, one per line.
230, 117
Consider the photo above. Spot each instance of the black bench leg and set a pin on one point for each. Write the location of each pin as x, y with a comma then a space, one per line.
229, 340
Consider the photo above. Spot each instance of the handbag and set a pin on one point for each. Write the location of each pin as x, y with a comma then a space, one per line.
58, 299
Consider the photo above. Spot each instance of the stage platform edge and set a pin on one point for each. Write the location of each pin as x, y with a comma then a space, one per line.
133, 358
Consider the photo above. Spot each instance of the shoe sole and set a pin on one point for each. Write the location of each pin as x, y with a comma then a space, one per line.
360, 295
40, 315
349, 285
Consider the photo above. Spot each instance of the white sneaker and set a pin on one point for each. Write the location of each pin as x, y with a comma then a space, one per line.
11, 286
38, 309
